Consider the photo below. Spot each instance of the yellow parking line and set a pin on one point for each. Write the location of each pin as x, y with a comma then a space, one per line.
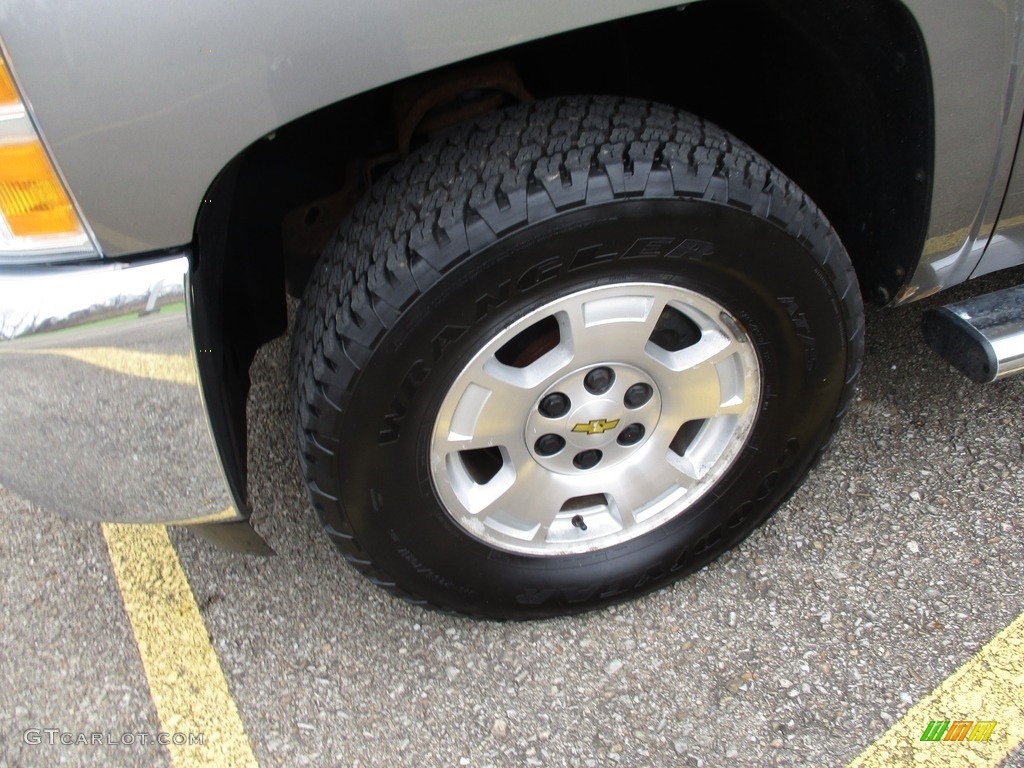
952, 241
989, 687
185, 678
184, 675
179, 369
944, 243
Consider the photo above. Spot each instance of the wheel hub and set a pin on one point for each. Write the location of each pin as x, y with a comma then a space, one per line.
595, 419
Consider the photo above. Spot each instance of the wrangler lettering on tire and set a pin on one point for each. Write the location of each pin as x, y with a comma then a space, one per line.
566, 354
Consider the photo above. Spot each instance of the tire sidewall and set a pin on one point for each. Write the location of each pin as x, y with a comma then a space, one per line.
769, 280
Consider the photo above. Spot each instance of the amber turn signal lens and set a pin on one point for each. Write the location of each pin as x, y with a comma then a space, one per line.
8, 94
31, 196
36, 212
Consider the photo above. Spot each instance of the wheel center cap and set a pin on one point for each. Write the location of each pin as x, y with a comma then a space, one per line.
573, 428
594, 424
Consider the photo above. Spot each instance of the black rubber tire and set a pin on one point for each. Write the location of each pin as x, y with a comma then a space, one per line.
499, 216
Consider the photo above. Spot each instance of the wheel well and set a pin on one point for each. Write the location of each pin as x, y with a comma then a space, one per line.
837, 95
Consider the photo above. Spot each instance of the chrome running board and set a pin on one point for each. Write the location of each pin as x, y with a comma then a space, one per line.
982, 337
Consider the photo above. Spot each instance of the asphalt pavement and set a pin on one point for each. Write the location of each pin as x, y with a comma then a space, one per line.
898, 559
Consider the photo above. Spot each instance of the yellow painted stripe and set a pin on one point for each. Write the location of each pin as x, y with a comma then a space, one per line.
947, 242
185, 678
988, 687
179, 369
953, 241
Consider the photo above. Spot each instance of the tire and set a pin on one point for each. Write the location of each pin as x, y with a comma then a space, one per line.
694, 308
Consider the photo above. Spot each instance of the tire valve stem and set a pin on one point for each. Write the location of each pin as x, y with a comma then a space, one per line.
577, 521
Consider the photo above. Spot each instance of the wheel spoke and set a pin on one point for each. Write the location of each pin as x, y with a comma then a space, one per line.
529, 377
690, 395
713, 347
626, 499
686, 472
616, 327
490, 411
482, 419
527, 508
716, 386
649, 487
698, 394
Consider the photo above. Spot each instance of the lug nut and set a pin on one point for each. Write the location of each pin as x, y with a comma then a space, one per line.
637, 395
599, 380
587, 459
549, 445
631, 435
555, 405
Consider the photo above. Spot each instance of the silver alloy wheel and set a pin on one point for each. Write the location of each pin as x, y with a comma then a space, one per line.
595, 419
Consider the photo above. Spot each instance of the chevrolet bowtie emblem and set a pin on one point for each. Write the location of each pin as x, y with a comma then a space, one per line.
596, 426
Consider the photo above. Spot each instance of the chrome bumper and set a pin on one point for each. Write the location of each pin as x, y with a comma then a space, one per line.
102, 414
